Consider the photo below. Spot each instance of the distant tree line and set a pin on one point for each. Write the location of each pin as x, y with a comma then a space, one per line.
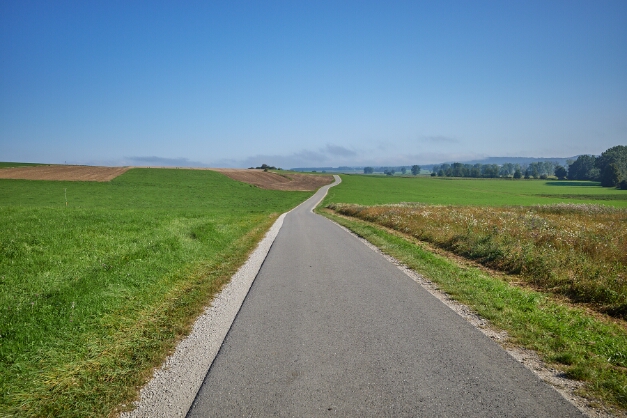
542, 169
610, 168
390, 171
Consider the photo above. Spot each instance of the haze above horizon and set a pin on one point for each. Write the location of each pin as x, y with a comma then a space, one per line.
312, 83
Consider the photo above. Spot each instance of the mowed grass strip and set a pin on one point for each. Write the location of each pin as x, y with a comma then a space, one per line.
94, 294
579, 251
586, 348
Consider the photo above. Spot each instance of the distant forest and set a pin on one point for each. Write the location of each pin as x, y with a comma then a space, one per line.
610, 168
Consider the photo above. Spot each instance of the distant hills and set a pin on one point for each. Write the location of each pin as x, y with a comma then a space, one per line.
489, 160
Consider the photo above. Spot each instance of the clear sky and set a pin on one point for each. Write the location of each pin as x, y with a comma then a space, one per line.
310, 83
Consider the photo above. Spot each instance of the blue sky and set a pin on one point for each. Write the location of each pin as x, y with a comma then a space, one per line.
310, 83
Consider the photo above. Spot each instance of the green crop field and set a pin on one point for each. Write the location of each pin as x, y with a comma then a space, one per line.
93, 293
375, 190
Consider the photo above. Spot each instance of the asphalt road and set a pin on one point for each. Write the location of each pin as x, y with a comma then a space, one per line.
331, 328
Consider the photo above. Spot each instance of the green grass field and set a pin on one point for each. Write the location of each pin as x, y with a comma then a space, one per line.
95, 293
376, 190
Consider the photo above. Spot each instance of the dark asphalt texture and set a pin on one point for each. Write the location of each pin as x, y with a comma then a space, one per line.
330, 328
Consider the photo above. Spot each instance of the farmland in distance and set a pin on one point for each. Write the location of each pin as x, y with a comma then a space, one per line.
374, 190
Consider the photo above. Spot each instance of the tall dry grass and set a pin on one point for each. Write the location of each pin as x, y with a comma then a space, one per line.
575, 250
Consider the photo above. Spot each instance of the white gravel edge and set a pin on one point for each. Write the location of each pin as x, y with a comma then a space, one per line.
173, 387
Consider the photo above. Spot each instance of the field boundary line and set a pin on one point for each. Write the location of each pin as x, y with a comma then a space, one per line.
173, 387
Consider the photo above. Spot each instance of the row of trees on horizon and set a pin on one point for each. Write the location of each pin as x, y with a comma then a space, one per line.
609, 168
390, 171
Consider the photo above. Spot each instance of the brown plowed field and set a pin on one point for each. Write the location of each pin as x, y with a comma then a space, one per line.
260, 178
62, 172
273, 181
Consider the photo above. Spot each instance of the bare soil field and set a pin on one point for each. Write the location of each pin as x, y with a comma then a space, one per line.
273, 181
260, 178
63, 172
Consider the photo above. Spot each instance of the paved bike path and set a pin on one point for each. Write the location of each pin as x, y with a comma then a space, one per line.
330, 327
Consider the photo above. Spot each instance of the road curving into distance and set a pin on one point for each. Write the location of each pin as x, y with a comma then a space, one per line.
329, 327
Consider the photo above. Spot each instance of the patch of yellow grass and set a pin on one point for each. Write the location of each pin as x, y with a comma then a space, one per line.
576, 250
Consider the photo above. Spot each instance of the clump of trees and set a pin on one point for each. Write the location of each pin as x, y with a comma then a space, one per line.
560, 172
368, 170
265, 167
583, 168
415, 170
610, 168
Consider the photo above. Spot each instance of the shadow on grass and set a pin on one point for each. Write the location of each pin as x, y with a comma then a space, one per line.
573, 183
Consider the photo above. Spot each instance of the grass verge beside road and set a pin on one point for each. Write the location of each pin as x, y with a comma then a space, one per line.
94, 293
586, 348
